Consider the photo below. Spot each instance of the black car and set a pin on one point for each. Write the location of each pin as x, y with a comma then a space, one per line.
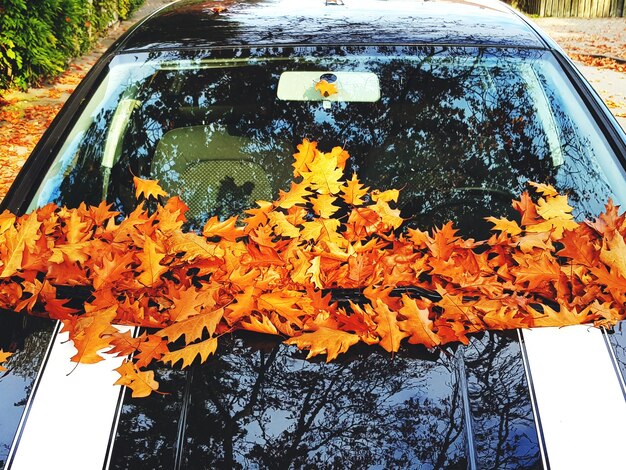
457, 103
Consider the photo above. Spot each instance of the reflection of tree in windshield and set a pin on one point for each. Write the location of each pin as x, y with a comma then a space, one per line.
459, 131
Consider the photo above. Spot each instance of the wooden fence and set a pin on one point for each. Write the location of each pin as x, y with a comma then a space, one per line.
579, 8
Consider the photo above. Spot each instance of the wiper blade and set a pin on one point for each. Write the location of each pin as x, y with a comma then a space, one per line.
357, 296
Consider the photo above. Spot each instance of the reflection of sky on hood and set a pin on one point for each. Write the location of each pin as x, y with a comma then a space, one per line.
31, 337
13, 391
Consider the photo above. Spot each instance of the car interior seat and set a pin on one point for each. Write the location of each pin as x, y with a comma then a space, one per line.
215, 173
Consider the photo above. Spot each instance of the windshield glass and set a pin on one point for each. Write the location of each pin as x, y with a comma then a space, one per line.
459, 131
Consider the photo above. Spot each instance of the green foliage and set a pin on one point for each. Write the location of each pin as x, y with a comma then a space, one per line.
38, 37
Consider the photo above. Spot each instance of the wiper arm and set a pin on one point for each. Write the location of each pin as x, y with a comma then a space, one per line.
357, 295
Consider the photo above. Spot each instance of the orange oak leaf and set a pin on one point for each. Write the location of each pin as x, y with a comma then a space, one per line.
193, 327
258, 216
3, 358
285, 303
262, 325
147, 188
388, 328
244, 304
151, 268
326, 89
91, 332
151, 349
188, 354
296, 195
417, 324
15, 241
325, 341
142, 383
565, 316
227, 230
578, 246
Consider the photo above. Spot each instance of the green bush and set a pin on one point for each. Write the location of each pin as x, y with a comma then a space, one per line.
38, 37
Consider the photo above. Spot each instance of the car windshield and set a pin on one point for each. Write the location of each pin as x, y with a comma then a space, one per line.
460, 131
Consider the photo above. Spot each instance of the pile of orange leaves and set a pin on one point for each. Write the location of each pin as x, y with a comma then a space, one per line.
273, 270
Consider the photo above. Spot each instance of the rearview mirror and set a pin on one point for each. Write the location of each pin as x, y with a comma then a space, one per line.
361, 87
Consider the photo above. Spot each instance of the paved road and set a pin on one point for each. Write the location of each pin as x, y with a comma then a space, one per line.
596, 36
611, 86
606, 36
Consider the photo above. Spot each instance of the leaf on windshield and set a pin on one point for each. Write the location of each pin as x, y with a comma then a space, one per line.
326, 89
3, 358
327, 265
147, 188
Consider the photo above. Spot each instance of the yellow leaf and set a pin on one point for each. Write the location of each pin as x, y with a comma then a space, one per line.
294, 196
505, 225
281, 225
314, 272
322, 205
305, 155
385, 196
324, 175
7, 219
613, 253
545, 189
320, 229
555, 207
390, 217
353, 191
342, 157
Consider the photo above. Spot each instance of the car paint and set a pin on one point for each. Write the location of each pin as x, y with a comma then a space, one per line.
560, 363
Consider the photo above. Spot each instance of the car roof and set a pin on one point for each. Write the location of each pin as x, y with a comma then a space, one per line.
202, 24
